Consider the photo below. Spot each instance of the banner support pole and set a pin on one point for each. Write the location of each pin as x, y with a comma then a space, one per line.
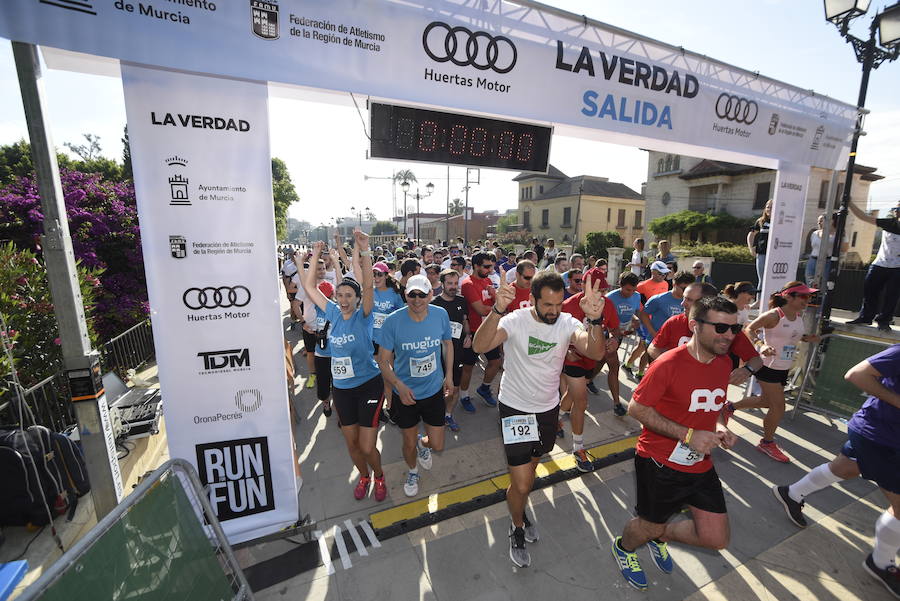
80, 361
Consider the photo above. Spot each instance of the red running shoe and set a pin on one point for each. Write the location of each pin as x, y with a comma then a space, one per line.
380, 489
362, 488
771, 449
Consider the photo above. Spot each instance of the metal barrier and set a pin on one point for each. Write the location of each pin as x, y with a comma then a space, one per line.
163, 541
48, 401
129, 350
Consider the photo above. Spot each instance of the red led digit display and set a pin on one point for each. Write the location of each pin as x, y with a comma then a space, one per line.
408, 133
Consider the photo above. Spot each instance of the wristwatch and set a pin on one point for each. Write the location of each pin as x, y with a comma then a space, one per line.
748, 368
494, 309
595, 322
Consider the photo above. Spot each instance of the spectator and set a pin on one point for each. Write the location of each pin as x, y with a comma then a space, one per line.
638, 258
551, 252
815, 243
538, 250
700, 276
758, 239
884, 272
665, 255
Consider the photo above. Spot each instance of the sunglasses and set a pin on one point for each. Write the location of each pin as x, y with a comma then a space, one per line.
416, 294
487, 266
721, 328
577, 281
527, 277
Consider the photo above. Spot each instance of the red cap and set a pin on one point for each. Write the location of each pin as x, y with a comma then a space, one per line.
326, 288
800, 289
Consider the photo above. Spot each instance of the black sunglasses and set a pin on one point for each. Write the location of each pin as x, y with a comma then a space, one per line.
577, 281
527, 277
721, 328
416, 294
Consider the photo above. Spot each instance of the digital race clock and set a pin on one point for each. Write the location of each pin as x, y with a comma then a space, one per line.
413, 134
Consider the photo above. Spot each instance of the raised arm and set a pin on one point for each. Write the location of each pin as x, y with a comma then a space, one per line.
591, 342
309, 278
860, 214
489, 336
361, 246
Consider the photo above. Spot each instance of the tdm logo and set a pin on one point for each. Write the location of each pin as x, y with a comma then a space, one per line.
779, 268
464, 47
238, 476
225, 361
80, 6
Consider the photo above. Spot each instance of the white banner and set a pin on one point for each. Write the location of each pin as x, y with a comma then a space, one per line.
786, 231
500, 59
203, 180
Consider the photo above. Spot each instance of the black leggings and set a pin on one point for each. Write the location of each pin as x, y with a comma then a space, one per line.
323, 377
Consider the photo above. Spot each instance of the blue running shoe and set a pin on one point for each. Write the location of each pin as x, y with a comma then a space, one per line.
630, 566
485, 393
659, 551
451, 423
467, 405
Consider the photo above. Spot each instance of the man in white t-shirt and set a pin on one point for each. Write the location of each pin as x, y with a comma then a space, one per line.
883, 276
638, 258
535, 341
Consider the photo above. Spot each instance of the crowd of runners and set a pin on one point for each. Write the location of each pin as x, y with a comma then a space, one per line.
393, 334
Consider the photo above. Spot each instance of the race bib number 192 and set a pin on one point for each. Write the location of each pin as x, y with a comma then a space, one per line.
520, 428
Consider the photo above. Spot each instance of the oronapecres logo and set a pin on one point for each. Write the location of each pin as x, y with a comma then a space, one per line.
737, 109
464, 47
81, 6
220, 297
248, 399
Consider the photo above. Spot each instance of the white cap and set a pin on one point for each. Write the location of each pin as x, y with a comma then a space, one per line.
660, 267
420, 283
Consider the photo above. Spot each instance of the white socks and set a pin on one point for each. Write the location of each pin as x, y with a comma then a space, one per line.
819, 478
577, 442
887, 540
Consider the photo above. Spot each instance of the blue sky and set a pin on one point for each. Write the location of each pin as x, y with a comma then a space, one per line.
324, 145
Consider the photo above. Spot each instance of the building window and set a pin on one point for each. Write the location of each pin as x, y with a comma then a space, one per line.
839, 195
621, 222
637, 218
567, 217
541, 189
763, 189
823, 193
853, 239
676, 163
526, 220
660, 165
545, 218
668, 162
666, 198
608, 215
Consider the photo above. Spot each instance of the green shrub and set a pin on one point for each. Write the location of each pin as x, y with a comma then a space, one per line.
693, 224
596, 243
726, 253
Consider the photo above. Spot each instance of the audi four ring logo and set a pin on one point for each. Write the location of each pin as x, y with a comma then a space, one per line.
481, 50
737, 109
222, 297
779, 268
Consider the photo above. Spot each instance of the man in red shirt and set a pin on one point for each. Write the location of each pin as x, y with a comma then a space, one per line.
676, 331
525, 271
679, 403
577, 372
478, 290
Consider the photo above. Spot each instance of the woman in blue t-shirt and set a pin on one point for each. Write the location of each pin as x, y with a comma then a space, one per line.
358, 387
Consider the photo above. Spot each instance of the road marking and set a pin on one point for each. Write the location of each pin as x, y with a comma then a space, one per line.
342, 547
323, 551
356, 538
370, 534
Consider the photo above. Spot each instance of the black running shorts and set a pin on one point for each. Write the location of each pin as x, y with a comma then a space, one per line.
360, 405
309, 341
323, 377
663, 491
469, 357
772, 376
520, 453
429, 410
576, 371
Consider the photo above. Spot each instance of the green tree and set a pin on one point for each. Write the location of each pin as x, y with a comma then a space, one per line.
15, 161
504, 223
380, 228
126, 156
694, 225
86, 152
596, 243
456, 207
283, 195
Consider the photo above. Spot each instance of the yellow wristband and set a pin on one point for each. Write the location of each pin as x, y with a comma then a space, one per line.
687, 437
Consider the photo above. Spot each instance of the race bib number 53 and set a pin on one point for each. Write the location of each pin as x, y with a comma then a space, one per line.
685, 455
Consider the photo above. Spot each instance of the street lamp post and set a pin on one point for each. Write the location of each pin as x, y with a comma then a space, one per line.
477, 180
359, 214
405, 186
841, 13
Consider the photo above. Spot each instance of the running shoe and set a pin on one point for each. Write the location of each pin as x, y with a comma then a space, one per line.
484, 391
326, 410
362, 488
411, 487
311, 381
380, 489
639, 376
560, 433
727, 411
884, 327
889, 576
630, 565
517, 551
792, 508
592, 387
771, 449
467, 405
424, 454
451, 423
531, 531
859, 321
583, 461
659, 551
628, 369
620, 410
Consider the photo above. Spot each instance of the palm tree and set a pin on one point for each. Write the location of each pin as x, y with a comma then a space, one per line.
456, 206
405, 175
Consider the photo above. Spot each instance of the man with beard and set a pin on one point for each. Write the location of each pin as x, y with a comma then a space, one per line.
535, 341
679, 403
457, 310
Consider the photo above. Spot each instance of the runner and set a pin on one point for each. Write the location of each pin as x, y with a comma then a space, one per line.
649, 288
413, 343
659, 308
535, 341
524, 274
457, 311
783, 330
577, 372
318, 326
479, 293
626, 303
357, 382
873, 451
742, 294
388, 298
679, 402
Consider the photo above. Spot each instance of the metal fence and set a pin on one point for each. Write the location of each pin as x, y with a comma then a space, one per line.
49, 400
162, 542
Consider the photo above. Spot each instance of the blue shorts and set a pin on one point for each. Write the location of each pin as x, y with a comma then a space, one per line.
644, 334
876, 462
